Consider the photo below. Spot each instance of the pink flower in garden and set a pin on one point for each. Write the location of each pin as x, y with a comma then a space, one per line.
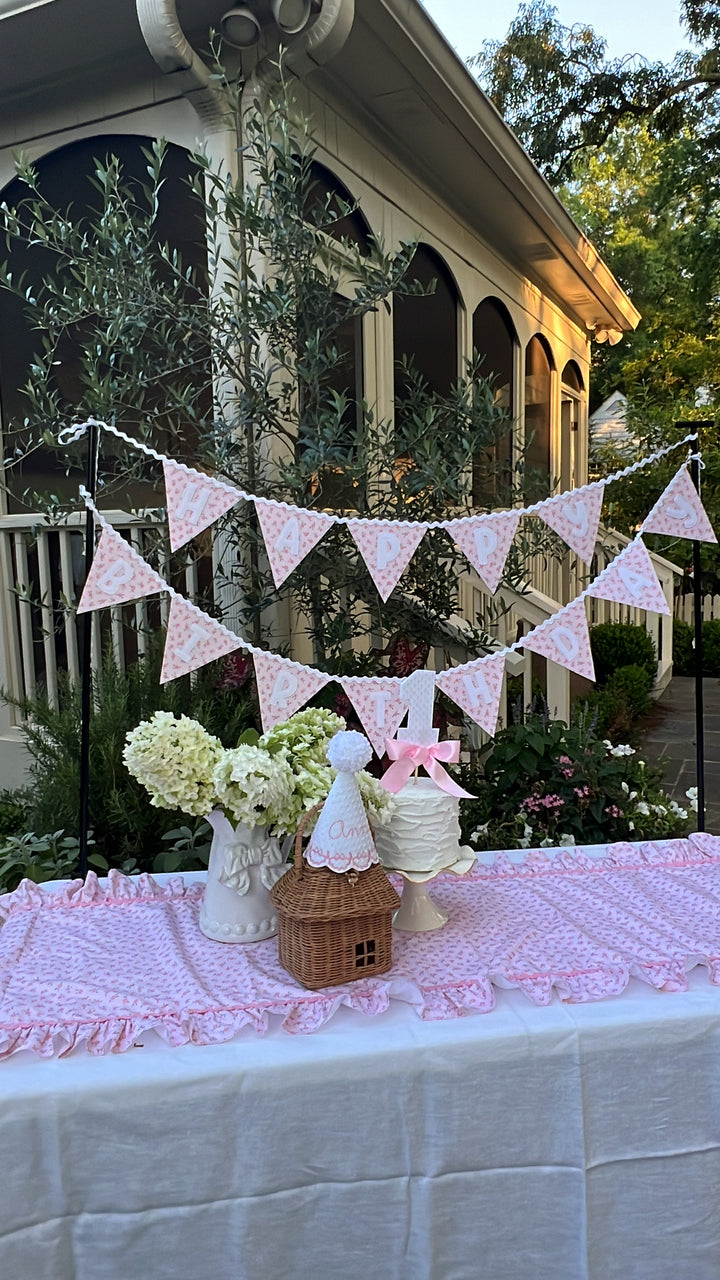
582, 793
613, 811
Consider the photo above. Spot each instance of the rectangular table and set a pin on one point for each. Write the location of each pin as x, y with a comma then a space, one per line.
572, 1142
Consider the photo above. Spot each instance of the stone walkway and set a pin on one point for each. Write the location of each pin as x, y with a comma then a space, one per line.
668, 739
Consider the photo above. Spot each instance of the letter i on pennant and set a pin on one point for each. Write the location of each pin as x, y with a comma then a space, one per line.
192, 640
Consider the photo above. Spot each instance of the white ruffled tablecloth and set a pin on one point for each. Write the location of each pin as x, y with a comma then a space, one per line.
101, 965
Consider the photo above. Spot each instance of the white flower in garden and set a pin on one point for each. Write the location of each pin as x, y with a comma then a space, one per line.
546, 843
643, 808
482, 830
253, 785
631, 826
659, 809
566, 838
692, 795
625, 788
678, 810
607, 744
174, 759
622, 749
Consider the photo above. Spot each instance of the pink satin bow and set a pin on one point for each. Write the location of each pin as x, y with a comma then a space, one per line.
407, 757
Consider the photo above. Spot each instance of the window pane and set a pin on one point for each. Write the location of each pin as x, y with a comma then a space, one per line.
537, 415
425, 328
494, 340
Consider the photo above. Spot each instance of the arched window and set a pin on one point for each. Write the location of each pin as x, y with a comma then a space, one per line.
425, 327
332, 207
495, 341
571, 424
66, 180
538, 415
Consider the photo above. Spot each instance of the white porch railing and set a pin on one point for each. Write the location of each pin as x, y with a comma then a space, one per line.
41, 573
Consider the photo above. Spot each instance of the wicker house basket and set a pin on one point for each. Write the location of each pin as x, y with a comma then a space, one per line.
333, 927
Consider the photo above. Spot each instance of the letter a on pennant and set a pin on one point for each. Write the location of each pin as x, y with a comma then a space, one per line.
289, 533
387, 548
679, 512
576, 516
476, 688
194, 501
117, 574
379, 705
193, 639
283, 686
564, 639
485, 540
631, 579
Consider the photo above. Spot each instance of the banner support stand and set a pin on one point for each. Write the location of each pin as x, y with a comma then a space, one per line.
86, 661
694, 427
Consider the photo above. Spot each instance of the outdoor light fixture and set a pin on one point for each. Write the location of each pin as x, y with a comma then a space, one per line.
291, 15
604, 334
240, 27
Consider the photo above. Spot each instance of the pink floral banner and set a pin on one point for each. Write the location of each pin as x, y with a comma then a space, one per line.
485, 540
117, 574
576, 517
193, 639
387, 548
631, 579
379, 705
679, 513
283, 686
564, 639
289, 533
476, 688
194, 501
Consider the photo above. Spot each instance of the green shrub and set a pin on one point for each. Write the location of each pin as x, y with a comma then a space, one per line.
124, 823
542, 783
621, 644
711, 647
683, 648
13, 812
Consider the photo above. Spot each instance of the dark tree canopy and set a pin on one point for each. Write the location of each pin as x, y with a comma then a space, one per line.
561, 94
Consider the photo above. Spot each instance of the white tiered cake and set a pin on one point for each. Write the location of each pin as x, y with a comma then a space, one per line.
423, 836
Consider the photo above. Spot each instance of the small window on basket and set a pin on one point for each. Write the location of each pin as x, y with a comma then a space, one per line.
364, 953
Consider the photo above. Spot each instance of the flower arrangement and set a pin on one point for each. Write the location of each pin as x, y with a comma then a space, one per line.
264, 781
546, 784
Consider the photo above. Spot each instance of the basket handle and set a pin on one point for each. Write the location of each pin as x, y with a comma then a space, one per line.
309, 813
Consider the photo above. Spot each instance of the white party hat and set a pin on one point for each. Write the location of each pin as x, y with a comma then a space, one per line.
342, 839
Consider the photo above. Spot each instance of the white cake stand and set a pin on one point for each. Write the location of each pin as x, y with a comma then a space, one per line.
417, 912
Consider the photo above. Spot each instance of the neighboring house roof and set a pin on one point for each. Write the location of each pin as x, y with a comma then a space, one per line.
396, 69
608, 423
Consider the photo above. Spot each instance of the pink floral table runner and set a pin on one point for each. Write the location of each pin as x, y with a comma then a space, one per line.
99, 966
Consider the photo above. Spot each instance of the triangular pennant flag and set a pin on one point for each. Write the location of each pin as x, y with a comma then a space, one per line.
631, 579
485, 540
283, 686
289, 533
379, 705
476, 688
117, 574
564, 639
679, 512
194, 501
576, 516
386, 547
193, 639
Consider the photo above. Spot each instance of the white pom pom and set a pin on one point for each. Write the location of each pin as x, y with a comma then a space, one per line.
349, 751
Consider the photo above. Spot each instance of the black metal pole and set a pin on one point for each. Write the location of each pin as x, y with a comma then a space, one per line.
86, 661
697, 613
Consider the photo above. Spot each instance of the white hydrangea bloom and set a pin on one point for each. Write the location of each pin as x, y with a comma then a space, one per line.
174, 759
252, 785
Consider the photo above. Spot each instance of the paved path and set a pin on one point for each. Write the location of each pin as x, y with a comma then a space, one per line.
668, 739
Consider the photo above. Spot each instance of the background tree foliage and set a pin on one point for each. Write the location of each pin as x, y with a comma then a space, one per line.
633, 147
